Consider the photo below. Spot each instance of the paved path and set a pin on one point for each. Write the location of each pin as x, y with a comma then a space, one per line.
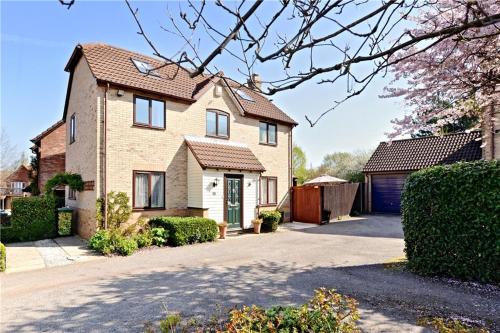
120, 294
27, 256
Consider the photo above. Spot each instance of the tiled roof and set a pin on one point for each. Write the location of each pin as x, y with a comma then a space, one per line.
222, 154
114, 65
47, 131
415, 154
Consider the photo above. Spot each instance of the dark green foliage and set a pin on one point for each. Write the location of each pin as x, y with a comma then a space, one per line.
451, 221
187, 230
107, 242
160, 236
73, 180
35, 166
144, 239
33, 218
125, 245
270, 220
64, 221
3, 257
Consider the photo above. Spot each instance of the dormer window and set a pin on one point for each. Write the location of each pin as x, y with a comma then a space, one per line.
145, 67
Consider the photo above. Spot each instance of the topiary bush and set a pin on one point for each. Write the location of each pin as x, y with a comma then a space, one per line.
451, 220
3, 258
33, 218
270, 220
187, 230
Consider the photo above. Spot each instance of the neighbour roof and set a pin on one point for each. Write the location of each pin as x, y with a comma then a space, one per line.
221, 154
115, 65
415, 154
47, 131
325, 179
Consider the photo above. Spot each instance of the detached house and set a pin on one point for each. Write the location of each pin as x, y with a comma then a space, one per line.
176, 144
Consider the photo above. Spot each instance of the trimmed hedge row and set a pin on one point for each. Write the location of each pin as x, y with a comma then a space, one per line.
3, 258
33, 218
186, 230
451, 221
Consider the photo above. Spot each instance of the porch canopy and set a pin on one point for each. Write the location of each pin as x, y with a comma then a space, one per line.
222, 154
325, 180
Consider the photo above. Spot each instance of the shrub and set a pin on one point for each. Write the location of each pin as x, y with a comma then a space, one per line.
160, 236
327, 311
124, 245
451, 220
270, 220
64, 220
3, 257
33, 218
187, 230
118, 210
101, 242
144, 239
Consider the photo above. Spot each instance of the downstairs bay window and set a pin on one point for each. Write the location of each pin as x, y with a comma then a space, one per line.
268, 191
149, 190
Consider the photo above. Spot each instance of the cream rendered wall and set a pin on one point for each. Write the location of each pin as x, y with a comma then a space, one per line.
82, 156
132, 148
195, 182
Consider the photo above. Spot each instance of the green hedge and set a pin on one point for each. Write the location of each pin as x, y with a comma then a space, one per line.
451, 221
64, 221
270, 220
33, 218
186, 230
3, 257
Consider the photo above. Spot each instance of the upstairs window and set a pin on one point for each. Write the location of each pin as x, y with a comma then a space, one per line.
72, 129
217, 124
149, 112
145, 67
268, 134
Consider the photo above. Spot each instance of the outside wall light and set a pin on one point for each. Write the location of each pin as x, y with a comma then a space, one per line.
216, 182
120, 93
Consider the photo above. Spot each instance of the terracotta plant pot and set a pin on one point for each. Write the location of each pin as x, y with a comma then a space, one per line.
256, 226
222, 230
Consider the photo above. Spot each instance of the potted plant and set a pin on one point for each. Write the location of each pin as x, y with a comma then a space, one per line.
256, 225
222, 230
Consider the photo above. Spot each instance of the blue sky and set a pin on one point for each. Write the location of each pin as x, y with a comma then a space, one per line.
37, 39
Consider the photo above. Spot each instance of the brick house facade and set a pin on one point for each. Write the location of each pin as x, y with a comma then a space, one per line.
107, 144
50, 149
14, 186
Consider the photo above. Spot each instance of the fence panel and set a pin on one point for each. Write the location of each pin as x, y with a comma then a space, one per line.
338, 199
307, 205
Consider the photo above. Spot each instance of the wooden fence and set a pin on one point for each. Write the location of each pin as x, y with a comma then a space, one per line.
338, 199
307, 204
317, 204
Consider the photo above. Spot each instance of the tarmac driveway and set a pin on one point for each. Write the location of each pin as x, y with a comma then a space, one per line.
121, 294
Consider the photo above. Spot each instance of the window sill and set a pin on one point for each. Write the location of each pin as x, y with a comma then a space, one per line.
217, 137
268, 205
147, 209
268, 144
149, 127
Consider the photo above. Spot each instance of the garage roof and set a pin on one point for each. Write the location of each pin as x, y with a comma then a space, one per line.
415, 154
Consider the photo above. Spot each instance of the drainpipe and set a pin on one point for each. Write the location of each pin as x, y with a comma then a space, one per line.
290, 174
104, 157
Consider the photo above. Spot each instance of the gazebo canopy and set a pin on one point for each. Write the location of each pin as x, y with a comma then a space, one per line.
325, 180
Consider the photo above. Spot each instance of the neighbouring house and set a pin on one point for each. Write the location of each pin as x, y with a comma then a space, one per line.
50, 150
491, 132
175, 144
14, 186
386, 170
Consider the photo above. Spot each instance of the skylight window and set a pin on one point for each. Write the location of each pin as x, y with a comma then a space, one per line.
243, 95
145, 67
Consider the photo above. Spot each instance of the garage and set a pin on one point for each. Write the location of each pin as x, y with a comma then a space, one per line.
390, 164
386, 193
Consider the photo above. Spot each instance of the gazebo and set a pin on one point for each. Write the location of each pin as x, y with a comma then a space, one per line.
325, 180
